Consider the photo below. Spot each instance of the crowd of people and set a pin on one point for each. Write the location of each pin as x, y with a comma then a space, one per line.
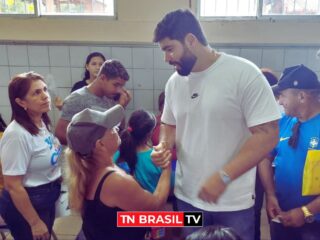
218, 143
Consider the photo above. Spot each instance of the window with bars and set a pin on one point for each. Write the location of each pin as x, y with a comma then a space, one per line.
58, 7
251, 8
291, 7
228, 8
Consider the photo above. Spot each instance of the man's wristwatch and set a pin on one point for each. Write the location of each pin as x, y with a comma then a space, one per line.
224, 177
308, 216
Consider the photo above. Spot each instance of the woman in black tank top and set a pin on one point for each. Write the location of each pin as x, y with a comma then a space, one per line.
98, 188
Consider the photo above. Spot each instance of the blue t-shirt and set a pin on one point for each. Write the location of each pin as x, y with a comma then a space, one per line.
289, 163
146, 173
123, 165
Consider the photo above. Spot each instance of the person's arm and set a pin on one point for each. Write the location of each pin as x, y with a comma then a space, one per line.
314, 206
21, 200
295, 217
263, 139
58, 103
61, 131
167, 134
166, 143
71, 106
266, 175
123, 187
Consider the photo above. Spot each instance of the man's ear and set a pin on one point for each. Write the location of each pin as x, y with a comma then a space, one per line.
302, 96
190, 40
99, 142
21, 103
103, 77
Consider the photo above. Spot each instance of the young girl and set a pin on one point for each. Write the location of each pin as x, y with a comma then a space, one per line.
135, 150
92, 66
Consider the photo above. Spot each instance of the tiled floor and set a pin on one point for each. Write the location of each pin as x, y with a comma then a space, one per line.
66, 228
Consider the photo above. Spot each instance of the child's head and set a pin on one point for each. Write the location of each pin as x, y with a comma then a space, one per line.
214, 233
140, 126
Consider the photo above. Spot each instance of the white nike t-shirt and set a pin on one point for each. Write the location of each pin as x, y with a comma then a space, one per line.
212, 111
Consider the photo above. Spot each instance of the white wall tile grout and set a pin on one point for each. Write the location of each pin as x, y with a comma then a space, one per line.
147, 79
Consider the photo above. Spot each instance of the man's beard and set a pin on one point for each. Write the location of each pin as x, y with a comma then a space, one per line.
186, 63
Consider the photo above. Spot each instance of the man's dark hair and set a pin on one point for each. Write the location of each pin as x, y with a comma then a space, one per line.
176, 25
114, 69
214, 233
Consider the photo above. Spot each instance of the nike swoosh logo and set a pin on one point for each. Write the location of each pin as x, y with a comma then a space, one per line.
285, 138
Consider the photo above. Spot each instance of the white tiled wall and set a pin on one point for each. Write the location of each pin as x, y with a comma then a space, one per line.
38, 56
252, 54
78, 55
273, 58
18, 55
4, 55
59, 56
123, 54
145, 64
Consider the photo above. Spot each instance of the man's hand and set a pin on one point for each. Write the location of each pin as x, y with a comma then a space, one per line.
161, 155
292, 218
212, 189
40, 231
58, 103
125, 97
273, 208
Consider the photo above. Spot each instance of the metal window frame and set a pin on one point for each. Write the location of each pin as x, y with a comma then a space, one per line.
259, 16
37, 13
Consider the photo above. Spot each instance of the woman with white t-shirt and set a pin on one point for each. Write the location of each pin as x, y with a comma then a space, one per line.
29, 156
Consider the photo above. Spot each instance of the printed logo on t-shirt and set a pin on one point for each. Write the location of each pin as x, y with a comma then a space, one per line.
314, 141
55, 148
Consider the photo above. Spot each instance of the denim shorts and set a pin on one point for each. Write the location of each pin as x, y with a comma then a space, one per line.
43, 200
